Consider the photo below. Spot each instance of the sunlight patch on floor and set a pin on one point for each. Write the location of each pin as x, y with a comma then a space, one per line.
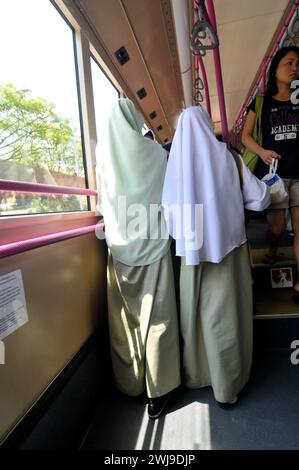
165, 433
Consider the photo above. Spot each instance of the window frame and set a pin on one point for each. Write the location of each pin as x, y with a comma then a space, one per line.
15, 228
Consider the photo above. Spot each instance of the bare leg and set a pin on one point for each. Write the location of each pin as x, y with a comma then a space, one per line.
295, 222
277, 224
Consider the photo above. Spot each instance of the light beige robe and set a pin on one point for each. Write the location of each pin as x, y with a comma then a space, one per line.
143, 327
216, 324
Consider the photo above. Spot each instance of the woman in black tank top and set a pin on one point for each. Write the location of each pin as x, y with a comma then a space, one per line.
280, 130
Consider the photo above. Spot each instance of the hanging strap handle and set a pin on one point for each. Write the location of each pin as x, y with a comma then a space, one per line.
201, 29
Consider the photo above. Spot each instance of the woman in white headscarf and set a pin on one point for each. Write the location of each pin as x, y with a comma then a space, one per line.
205, 194
141, 297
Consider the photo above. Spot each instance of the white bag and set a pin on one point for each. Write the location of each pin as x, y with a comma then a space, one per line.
277, 190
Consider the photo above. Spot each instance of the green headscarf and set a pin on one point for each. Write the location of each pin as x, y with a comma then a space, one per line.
132, 167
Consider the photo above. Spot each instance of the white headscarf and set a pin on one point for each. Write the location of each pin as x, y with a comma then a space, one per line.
131, 166
201, 171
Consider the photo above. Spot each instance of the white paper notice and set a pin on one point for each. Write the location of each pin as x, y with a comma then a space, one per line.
13, 310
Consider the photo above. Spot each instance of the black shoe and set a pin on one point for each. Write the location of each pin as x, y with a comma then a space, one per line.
156, 405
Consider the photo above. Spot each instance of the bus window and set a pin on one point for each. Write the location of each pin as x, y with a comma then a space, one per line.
105, 96
39, 111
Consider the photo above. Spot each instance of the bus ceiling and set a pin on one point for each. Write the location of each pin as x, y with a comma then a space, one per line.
146, 46
245, 31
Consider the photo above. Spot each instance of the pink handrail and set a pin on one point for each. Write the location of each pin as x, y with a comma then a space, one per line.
24, 187
268, 58
219, 79
25, 245
265, 63
264, 73
200, 63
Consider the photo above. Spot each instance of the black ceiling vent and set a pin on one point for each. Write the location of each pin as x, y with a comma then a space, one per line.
153, 115
159, 128
141, 93
122, 55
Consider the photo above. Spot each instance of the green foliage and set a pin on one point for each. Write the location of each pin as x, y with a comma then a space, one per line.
55, 204
33, 204
32, 133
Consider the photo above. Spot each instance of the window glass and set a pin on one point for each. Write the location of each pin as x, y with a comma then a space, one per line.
105, 96
40, 138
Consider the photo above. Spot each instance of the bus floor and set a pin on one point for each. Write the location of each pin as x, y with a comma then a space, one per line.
265, 416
